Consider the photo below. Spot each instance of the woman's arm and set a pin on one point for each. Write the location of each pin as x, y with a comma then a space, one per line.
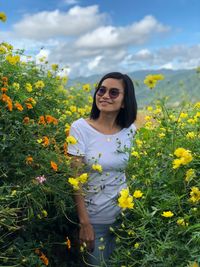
86, 233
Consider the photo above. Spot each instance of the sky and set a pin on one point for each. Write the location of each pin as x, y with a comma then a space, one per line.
88, 37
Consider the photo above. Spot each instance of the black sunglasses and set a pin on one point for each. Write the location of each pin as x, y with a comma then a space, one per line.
113, 92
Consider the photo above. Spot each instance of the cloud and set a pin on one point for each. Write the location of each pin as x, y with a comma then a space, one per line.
174, 57
47, 24
71, 2
136, 34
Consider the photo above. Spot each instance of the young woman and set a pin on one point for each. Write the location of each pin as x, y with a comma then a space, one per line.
102, 145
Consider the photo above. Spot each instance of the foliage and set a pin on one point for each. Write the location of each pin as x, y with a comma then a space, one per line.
36, 200
162, 228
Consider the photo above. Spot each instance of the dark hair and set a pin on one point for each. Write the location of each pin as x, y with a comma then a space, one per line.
126, 115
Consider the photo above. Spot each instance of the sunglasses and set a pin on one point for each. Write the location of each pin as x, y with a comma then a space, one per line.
113, 92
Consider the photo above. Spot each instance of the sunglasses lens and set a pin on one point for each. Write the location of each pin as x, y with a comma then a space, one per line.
101, 91
114, 93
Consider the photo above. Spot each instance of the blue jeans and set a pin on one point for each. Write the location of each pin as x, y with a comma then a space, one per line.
104, 245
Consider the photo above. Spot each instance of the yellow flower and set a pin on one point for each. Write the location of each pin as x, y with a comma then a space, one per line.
83, 178
194, 264
191, 135
190, 174
181, 222
28, 87
44, 213
39, 84
149, 81
136, 245
135, 154
137, 194
195, 194
97, 167
74, 182
71, 140
16, 86
54, 67
197, 105
139, 143
86, 87
3, 16
184, 156
13, 60
149, 108
73, 109
125, 200
161, 135
167, 214
183, 115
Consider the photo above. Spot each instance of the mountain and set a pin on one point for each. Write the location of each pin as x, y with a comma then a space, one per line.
178, 85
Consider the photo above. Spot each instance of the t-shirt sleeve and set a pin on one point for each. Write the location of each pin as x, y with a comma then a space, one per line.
77, 149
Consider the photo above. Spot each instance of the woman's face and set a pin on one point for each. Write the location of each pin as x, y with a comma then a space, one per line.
111, 96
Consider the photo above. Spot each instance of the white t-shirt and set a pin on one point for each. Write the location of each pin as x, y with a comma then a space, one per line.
111, 152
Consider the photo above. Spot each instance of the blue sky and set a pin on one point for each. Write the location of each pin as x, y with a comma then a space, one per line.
88, 37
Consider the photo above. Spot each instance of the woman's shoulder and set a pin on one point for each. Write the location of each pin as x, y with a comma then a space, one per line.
77, 123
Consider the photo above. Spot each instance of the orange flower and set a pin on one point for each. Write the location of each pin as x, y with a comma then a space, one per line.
29, 106
9, 105
3, 89
29, 160
26, 120
44, 259
5, 98
41, 120
45, 141
5, 79
19, 106
51, 119
54, 166
65, 148
68, 243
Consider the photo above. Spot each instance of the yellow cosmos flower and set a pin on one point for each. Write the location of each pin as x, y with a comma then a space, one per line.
86, 87
135, 154
195, 194
191, 135
44, 213
29, 87
167, 214
97, 167
74, 182
16, 86
73, 109
39, 84
184, 156
125, 200
190, 174
83, 178
3, 16
54, 67
137, 194
13, 60
181, 222
71, 140
136, 245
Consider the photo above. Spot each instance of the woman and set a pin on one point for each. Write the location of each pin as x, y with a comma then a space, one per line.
102, 145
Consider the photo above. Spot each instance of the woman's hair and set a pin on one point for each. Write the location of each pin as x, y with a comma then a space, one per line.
126, 115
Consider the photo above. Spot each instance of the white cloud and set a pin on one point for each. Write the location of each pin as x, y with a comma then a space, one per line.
71, 2
47, 24
94, 62
135, 34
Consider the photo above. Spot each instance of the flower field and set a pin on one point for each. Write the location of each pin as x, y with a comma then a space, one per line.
160, 222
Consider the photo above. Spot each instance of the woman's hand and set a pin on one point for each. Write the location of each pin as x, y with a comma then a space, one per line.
87, 235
